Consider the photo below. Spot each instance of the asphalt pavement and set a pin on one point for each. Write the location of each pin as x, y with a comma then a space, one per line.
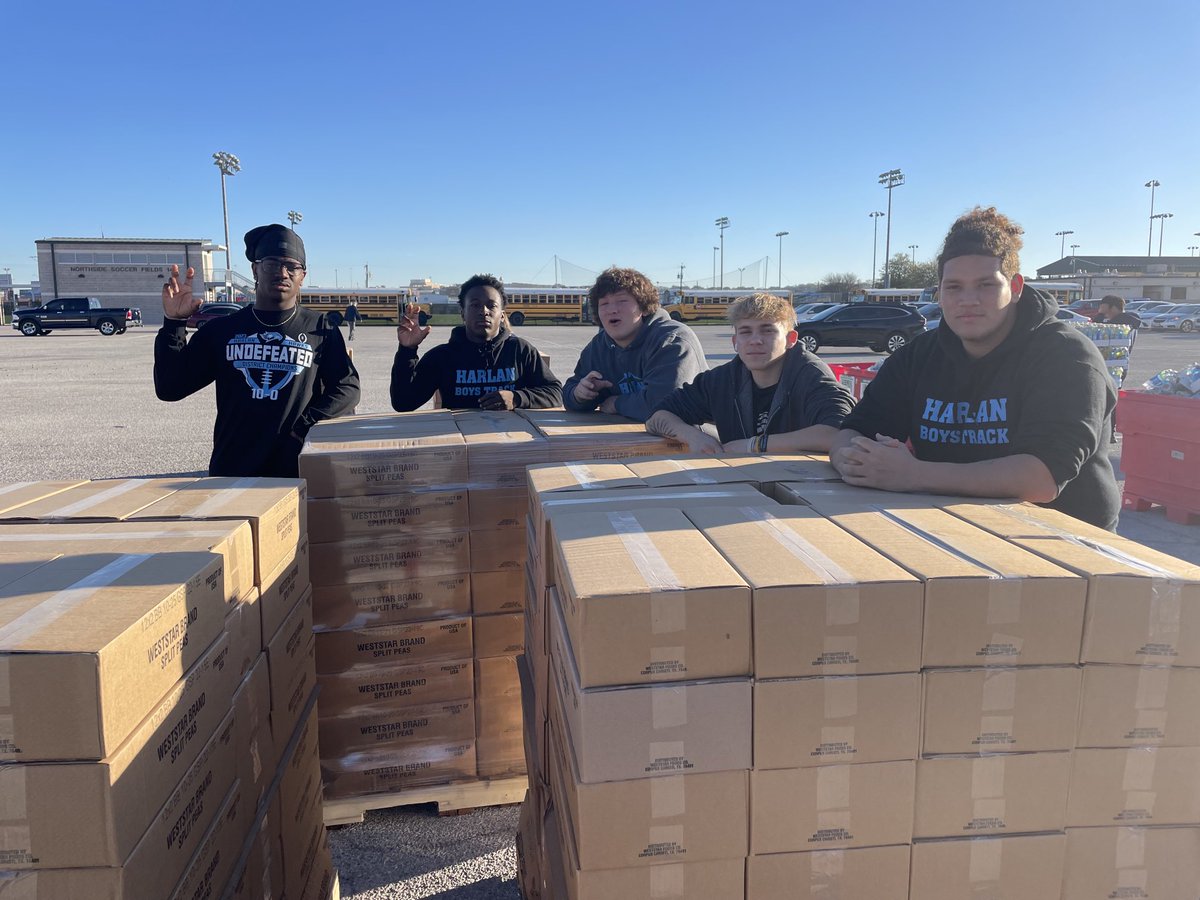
80, 405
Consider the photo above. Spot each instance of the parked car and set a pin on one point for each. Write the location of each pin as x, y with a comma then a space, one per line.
808, 310
932, 313
75, 312
879, 326
1184, 317
1087, 308
209, 311
1069, 315
1144, 307
1150, 318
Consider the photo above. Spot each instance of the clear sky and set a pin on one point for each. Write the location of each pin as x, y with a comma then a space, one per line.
441, 139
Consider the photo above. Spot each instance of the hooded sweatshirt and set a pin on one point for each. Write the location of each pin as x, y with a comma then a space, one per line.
664, 355
463, 371
807, 394
272, 380
1045, 391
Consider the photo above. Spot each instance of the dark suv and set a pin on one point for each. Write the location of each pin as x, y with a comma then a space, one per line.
880, 326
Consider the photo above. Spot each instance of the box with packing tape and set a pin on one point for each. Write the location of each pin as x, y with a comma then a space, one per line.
687, 470
1138, 786
108, 500
283, 588
395, 686
497, 549
412, 643
1153, 863
396, 768
1025, 866
19, 493
499, 635
352, 518
575, 436
416, 555
445, 722
867, 872
391, 602
824, 603
498, 592
1132, 706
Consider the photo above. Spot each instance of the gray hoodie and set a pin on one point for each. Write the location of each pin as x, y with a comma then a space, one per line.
663, 356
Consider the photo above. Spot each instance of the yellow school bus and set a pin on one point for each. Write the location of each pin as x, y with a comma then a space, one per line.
688, 305
557, 304
374, 304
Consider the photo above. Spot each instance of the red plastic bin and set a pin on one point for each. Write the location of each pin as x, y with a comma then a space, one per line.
1160, 453
854, 377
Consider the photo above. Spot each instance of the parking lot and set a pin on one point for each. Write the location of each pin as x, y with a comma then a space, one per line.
83, 406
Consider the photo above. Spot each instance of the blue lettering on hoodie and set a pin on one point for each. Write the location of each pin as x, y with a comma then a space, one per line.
992, 412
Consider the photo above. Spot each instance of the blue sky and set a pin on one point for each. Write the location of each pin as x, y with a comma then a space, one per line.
437, 140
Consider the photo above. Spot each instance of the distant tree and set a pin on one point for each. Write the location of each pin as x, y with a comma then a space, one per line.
841, 283
907, 274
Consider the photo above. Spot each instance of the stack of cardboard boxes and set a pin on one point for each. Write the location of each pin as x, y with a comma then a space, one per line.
149, 722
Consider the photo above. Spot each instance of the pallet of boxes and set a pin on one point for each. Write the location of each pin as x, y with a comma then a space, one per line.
844, 693
158, 722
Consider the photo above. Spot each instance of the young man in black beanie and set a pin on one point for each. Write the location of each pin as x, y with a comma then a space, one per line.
278, 368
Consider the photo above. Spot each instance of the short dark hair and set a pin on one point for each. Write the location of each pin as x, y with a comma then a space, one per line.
984, 232
1113, 300
481, 281
613, 280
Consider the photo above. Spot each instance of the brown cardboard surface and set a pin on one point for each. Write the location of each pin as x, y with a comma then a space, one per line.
824, 603
213, 863
500, 755
868, 872
1128, 706
300, 801
831, 807
411, 643
397, 768
497, 678
283, 588
497, 549
500, 444
1009, 793
498, 716
1149, 863
230, 539
428, 509
546, 478
767, 470
1000, 710
252, 718
391, 602
275, 507
447, 722
675, 471
286, 649
415, 555
498, 507
664, 729
109, 500
244, 626
285, 717
501, 635
646, 598
395, 686
575, 436
690, 817
18, 493
828, 721
498, 592
1021, 520
1028, 867
1142, 786
99, 640
19, 562
830, 495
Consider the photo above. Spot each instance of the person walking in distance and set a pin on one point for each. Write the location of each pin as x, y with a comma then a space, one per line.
351, 318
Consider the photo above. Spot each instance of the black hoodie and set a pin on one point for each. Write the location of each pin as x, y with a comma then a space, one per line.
807, 394
1045, 391
463, 371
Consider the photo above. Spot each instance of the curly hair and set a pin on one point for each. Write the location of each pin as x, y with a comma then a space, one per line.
613, 280
984, 232
481, 281
763, 306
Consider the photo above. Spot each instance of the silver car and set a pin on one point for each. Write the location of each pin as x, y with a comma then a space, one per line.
1185, 317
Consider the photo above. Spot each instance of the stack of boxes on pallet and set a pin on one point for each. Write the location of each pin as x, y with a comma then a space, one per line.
158, 685
862, 695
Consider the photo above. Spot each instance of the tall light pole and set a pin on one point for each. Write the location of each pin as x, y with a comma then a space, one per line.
1062, 245
890, 179
1152, 184
912, 252
714, 284
1162, 222
229, 165
741, 269
874, 242
1074, 247
295, 217
681, 268
722, 223
1192, 249
781, 235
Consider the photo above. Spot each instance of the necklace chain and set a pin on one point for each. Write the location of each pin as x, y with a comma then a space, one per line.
278, 324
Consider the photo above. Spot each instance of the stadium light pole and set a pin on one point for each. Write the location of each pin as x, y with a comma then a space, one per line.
874, 242
229, 165
1162, 223
714, 283
722, 223
1192, 249
681, 268
740, 271
295, 217
912, 252
890, 179
1152, 184
1074, 247
781, 235
1062, 245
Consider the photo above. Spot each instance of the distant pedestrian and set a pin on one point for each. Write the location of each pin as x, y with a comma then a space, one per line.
352, 318
1112, 312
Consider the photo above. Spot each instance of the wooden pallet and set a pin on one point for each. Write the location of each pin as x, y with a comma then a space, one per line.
449, 798
1180, 503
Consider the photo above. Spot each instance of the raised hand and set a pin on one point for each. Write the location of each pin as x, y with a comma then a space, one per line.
177, 298
411, 333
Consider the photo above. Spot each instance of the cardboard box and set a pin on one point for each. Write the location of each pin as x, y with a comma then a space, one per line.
1142, 786
646, 598
1011, 793
412, 643
498, 592
256, 751
831, 807
1023, 520
285, 717
500, 755
767, 470
535, 716
502, 635
243, 624
395, 686
300, 821
846, 719
497, 549
109, 500
1129, 706
1029, 867
286, 651
275, 507
391, 602
448, 722
635, 732
987, 601
690, 817
416, 555
824, 603
233, 541
546, 478
676, 471
213, 863
16, 564
398, 768
496, 678
868, 872
498, 507
99, 640
19, 493
1151, 863
382, 515
998, 710
575, 436
283, 588
830, 495
500, 444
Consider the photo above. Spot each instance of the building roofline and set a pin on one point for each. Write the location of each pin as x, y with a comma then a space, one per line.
118, 240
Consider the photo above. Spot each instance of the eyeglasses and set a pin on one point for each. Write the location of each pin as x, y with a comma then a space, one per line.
272, 264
